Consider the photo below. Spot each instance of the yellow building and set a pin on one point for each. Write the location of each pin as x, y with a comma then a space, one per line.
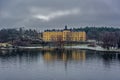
64, 35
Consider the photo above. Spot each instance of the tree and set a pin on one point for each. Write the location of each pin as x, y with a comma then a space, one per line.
109, 40
68, 37
118, 38
59, 41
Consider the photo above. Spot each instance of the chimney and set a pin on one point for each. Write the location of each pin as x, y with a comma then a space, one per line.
65, 27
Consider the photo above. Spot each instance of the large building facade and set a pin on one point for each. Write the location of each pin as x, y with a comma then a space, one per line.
64, 35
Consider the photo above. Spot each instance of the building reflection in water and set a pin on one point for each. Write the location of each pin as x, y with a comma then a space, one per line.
66, 57
75, 55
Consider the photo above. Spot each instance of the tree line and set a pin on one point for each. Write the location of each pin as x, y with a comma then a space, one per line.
108, 36
7, 35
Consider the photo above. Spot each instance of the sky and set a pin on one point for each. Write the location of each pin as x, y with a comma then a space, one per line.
50, 14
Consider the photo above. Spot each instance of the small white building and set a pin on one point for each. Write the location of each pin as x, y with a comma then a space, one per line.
5, 45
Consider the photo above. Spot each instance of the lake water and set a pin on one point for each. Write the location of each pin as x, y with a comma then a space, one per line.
59, 65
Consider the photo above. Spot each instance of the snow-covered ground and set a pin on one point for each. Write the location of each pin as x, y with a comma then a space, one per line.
97, 48
21, 47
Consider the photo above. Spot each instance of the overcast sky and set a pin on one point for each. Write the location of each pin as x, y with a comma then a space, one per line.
43, 14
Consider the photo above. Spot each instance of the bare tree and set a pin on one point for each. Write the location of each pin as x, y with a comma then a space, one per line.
59, 41
109, 40
117, 34
68, 37
53, 40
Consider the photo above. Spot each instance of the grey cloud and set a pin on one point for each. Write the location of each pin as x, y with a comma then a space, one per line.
17, 13
56, 14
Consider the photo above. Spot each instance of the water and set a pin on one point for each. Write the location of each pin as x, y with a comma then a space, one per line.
59, 65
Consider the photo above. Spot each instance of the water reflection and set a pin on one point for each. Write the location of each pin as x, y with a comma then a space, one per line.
18, 57
32, 56
108, 58
64, 55
59, 65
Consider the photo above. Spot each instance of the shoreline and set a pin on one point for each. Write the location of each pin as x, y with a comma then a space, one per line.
98, 48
